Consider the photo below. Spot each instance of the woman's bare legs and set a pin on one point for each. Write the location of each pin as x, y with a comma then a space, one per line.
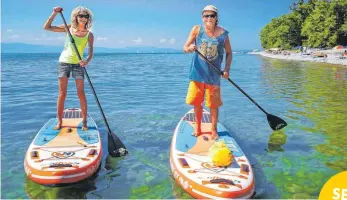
83, 102
63, 81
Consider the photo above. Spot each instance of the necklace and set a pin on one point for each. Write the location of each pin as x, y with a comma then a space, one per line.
207, 31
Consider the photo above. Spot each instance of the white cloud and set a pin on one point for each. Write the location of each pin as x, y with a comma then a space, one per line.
162, 40
9, 30
101, 39
138, 41
13, 37
121, 42
172, 41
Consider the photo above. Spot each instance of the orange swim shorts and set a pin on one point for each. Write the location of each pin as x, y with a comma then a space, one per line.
196, 93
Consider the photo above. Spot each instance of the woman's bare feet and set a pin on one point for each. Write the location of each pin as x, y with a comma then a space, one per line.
84, 126
58, 126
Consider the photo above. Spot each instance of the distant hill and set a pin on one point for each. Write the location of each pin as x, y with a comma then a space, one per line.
33, 48
29, 48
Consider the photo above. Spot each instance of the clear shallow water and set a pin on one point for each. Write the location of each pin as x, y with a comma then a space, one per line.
143, 98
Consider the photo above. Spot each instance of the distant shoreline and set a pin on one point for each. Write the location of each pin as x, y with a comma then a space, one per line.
178, 52
94, 53
332, 57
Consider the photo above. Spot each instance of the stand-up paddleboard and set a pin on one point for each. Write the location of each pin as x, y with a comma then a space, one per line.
67, 155
193, 169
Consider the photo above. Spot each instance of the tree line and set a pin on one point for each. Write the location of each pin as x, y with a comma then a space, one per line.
315, 24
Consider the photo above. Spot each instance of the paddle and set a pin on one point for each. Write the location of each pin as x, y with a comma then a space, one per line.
275, 122
115, 147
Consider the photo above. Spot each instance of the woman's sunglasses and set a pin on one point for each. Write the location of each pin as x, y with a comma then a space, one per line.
207, 16
83, 16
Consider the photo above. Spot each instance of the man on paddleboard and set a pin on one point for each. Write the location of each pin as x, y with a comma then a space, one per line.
210, 40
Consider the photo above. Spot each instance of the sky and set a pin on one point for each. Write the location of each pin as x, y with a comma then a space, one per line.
156, 23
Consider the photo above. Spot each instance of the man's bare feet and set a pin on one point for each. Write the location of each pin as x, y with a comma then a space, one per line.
214, 134
84, 126
197, 131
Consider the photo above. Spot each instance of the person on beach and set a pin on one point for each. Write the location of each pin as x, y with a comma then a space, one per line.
210, 40
81, 23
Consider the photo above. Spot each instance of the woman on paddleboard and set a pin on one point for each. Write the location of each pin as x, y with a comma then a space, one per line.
210, 40
81, 23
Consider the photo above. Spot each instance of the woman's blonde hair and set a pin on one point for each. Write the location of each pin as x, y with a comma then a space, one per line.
74, 14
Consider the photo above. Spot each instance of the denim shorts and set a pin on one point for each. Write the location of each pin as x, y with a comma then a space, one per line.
65, 69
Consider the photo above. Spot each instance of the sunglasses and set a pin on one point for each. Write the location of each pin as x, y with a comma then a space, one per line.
207, 16
83, 16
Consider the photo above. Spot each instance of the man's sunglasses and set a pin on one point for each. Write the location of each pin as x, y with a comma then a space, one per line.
207, 16
83, 16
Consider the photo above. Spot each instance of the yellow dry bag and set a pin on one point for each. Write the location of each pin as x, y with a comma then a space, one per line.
220, 154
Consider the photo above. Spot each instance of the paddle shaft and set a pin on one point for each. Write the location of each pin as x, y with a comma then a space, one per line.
232, 82
85, 70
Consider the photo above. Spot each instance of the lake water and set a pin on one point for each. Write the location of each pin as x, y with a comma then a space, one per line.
143, 97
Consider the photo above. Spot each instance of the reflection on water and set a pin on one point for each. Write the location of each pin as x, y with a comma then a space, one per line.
143, 99
276, 140
316, 96
66, 191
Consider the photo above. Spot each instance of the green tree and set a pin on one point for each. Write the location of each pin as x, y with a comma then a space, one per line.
340, 8
282, 32
295, 6
315, 23
320, 26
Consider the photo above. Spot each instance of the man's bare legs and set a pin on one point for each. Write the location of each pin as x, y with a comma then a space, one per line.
214, 120
198, 116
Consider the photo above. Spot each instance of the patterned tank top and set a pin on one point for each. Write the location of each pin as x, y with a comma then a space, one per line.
213, 49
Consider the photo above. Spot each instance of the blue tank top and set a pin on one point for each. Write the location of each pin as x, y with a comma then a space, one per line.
213, 49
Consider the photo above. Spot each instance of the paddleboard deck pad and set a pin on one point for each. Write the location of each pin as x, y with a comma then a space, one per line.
193, 169
67, 155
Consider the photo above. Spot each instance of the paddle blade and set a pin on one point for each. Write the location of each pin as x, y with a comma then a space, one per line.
275, 122
116, 148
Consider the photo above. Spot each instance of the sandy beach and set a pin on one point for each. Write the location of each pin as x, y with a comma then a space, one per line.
332, 57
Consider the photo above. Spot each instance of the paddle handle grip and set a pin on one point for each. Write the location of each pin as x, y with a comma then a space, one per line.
232, 82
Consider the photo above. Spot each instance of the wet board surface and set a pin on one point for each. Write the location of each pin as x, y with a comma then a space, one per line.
67, 155
193, 169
